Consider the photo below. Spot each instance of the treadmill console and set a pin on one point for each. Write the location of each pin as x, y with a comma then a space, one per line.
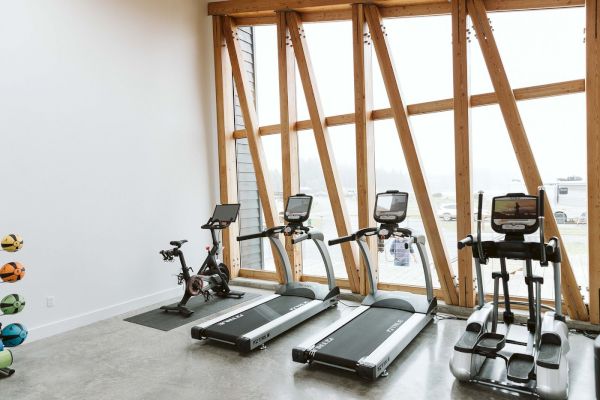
515, 213
297, 209
390, 207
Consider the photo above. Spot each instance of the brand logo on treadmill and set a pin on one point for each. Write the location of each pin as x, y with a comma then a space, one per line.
394, 326
323, 343
261, 339
383, 364
299, 305
230, 319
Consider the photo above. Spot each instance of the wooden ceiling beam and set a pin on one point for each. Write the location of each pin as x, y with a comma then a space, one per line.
388, 10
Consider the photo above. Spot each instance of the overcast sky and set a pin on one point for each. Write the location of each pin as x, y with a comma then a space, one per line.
537, 47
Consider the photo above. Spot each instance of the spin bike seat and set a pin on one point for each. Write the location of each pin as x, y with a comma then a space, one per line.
178, 243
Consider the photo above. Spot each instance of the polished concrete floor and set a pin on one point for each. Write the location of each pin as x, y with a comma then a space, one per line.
114, 359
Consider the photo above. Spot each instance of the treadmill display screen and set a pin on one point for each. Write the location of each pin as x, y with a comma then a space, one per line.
298, 208
515, 214
390, 207
226, 212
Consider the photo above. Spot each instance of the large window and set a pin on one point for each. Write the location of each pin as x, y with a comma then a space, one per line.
537, 47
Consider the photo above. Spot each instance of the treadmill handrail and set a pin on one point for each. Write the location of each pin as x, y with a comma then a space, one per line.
319, 239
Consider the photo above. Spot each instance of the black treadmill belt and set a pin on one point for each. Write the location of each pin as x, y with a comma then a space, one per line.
360, 337
253, 318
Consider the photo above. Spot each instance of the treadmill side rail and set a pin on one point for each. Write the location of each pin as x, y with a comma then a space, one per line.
375, 364
253, 339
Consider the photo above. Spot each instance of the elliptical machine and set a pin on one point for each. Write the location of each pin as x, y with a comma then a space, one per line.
538, 366
213, 276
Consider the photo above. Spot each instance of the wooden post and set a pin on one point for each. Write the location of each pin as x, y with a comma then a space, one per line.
226, 143
289, 134
462, 150
432, 230
520, 142
592, 41
252, 131
365, 140
324, 147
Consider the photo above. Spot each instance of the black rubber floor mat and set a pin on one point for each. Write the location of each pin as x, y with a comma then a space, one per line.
165, 321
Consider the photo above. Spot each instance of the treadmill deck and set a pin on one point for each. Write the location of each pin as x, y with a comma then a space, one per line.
231, 329
357, 339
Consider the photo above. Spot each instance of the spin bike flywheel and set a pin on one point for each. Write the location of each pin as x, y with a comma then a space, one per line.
194, 285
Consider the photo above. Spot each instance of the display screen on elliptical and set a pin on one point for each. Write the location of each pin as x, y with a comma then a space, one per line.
515, 214
298, 208
226, 213
390, 207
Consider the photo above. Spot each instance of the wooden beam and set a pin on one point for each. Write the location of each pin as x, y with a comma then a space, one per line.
233, 7
533, 92
344, 12
592, 41
462, 150
428, 215
289, 135
226, 144
259, 274
520, 142
365, 140
254, 140
324, 147
477, 100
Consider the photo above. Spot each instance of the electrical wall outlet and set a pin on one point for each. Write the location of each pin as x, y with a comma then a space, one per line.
50, 301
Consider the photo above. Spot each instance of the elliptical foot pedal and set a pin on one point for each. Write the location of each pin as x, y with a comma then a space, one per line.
490, 343
550, 351
520, 368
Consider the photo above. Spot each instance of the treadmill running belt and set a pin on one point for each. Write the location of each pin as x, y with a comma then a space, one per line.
360, 337
247, 321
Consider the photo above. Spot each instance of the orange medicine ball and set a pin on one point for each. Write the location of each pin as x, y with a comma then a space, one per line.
12, 272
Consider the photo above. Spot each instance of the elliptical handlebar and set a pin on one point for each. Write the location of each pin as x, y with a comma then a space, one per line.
541, 201
552, 246
468, 241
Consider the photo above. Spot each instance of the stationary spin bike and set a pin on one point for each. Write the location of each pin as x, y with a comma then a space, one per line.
213, 276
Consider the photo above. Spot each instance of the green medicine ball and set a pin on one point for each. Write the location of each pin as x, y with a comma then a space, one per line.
12, 304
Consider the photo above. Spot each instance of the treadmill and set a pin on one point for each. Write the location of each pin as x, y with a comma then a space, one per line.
257, 322
373, 335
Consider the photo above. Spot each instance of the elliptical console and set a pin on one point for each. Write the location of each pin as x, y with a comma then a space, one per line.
538, 366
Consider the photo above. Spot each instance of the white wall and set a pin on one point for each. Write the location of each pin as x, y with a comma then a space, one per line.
108, 151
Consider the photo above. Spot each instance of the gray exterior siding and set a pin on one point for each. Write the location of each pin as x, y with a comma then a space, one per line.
251, 251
